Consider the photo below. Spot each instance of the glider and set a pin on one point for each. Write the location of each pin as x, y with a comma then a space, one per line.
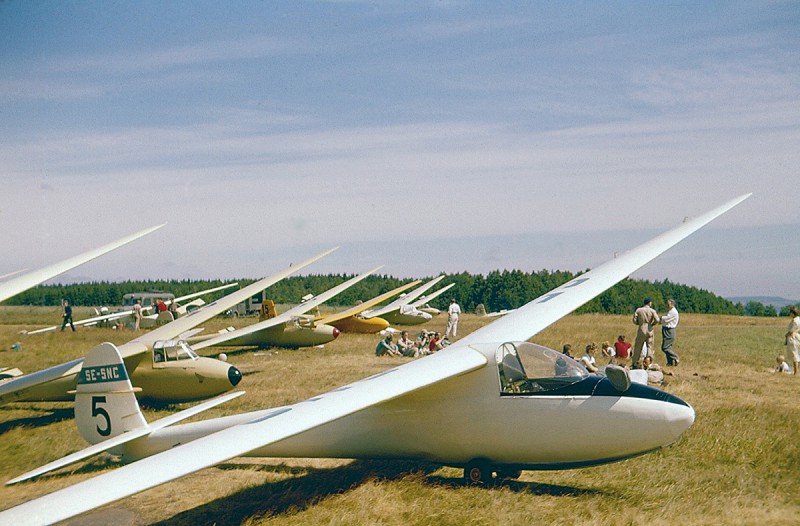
350, 320
490, 402
289, 329
403, 311
22, 283
148, 321
162, 365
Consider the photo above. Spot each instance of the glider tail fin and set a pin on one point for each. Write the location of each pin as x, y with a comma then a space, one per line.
105, 403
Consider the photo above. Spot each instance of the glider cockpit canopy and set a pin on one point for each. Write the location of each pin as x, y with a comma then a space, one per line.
527, 368
172, 350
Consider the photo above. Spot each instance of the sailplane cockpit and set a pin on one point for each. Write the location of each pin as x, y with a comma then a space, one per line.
172, 350
527, 368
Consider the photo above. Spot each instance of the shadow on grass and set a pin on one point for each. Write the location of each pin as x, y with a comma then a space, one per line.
312, 485
533, 488
47, 416
309, 486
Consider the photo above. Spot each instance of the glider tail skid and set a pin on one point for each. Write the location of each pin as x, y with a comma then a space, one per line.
107, 413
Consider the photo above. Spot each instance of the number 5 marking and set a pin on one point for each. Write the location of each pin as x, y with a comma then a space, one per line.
102, 412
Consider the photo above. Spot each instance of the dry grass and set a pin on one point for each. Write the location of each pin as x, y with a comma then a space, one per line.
739, 463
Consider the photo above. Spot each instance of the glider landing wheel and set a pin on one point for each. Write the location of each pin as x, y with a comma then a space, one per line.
478, 473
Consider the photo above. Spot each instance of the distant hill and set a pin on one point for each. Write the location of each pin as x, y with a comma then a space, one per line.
777, 302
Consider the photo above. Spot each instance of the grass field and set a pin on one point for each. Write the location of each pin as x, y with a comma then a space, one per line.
738, 464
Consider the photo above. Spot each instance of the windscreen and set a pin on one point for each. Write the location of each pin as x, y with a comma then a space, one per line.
526, 368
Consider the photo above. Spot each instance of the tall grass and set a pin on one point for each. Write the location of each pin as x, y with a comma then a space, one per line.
738, 464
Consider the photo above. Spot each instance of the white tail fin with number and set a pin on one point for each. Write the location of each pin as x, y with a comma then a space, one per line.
105, 403
107, 413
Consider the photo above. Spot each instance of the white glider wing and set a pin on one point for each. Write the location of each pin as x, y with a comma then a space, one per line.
205, 313
527, 321
361, 307
284, 317
239, 440
31, 279
432, 296
403, 300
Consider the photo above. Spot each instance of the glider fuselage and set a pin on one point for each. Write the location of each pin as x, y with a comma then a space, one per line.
181, 380
470, 417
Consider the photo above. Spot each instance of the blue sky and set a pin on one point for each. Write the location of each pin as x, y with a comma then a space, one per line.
428, 136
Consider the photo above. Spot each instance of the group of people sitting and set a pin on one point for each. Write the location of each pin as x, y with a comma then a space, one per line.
617, 354
427, 342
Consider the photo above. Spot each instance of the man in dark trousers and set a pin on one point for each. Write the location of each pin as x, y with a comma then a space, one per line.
67, 315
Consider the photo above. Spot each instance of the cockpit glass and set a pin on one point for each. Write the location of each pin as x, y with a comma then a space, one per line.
186, 352
172, 350
527, 368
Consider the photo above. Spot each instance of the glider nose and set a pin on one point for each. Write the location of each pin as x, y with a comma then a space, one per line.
336, 332
680, 418
234, 375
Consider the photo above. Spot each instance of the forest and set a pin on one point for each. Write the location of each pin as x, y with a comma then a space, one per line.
498, 290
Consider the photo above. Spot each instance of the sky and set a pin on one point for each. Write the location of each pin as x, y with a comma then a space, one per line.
430, 137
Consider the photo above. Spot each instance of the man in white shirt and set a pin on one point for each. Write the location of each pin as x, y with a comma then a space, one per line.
452, 318
668, 323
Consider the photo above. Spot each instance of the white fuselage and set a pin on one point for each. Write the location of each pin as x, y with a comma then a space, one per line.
465, 418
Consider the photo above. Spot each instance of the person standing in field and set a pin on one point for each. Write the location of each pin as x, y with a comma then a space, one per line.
67, 315
137, 314
793, 338
668, 323
645, 318
453, 311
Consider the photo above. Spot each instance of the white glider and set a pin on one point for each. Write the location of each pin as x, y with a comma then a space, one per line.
273, 331
490, 402
128, 313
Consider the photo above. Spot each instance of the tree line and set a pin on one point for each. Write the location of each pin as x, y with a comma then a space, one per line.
497, 290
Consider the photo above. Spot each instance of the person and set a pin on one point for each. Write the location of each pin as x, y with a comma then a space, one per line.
160, 306
436, 343
668, 323
423, 339
137, 314
406, 345
793, 338
783, 367
453, 312
645, 318
621, 348
67, 315
608, 351
387, 346
566, 350
588, 360
654, 373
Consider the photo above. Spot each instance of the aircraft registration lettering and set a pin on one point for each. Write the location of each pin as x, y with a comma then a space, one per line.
548, 297
272, 415
575, 283
103, 373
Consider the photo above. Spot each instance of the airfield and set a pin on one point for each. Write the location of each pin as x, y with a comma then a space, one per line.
738, 464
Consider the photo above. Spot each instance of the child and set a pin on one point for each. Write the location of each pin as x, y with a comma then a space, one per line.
783, 367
